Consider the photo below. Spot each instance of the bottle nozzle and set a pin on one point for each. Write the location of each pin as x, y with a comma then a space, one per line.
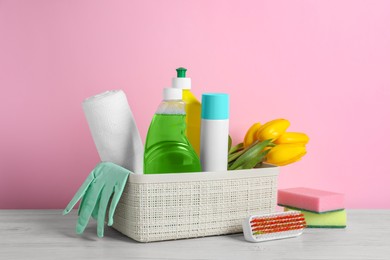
181, 81
181, 72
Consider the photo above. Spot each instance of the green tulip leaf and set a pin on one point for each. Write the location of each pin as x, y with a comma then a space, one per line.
236, 148
234, 156
271, 145
256, 160
229, 144
250, 155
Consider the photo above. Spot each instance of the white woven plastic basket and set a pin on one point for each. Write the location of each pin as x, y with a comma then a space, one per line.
158, 207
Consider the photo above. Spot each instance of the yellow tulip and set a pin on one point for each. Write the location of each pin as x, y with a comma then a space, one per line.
284, 154
292, 138
272, 129
250, 136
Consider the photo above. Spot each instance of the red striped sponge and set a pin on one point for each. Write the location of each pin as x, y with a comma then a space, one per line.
272, 226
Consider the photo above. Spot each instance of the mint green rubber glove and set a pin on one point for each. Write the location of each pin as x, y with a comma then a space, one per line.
106, 180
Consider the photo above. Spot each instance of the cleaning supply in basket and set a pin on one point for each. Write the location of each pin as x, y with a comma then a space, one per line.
114, 130
214, 132
317, 201
272, 226
330, 219
193, 108
167, 149
103, 186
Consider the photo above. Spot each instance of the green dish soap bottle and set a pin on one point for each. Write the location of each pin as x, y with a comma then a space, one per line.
167, 149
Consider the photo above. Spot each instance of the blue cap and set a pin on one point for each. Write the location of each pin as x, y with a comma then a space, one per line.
215, 106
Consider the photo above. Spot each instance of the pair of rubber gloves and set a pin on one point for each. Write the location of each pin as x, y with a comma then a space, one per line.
105, 181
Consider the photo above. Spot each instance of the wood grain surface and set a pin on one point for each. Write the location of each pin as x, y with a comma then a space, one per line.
46, 234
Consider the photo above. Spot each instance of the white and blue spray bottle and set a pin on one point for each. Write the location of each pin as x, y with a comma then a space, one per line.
214, 132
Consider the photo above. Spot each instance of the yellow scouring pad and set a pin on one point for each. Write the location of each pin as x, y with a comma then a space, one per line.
334, 219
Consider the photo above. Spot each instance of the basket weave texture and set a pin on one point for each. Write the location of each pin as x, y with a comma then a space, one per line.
175, 206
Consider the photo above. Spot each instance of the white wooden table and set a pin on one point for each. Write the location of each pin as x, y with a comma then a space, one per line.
46, 234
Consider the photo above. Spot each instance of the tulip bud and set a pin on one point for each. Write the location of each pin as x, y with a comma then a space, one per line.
273, 129
284, 154
292, 138
250, 136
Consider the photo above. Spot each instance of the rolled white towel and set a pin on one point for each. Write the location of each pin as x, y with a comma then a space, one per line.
114, 130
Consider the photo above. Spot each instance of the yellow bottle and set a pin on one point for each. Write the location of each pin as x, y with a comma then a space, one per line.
193, 108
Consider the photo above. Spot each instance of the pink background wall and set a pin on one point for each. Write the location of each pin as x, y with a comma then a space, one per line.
324, 65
